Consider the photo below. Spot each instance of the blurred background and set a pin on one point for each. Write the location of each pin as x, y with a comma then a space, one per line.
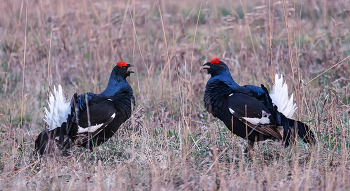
171, 142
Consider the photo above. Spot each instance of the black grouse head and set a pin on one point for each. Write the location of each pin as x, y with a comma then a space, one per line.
215, 67
121, 69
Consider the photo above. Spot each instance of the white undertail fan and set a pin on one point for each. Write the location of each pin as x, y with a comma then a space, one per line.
279, 96
59, 109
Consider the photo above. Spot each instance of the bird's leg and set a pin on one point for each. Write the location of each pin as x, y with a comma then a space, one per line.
89, 144
294, 134
61, 135
249, 147
89, 147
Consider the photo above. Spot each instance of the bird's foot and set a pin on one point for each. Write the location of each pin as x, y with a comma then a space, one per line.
247, 150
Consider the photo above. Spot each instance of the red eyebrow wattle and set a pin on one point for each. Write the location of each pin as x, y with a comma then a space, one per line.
215, 60
121, 64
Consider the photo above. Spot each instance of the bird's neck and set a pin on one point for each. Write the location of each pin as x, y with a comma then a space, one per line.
219, 87
226, 77
112, 86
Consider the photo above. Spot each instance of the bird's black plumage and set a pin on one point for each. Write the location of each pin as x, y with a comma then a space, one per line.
248, 111
106, 111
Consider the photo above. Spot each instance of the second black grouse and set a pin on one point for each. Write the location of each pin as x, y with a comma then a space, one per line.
248, 111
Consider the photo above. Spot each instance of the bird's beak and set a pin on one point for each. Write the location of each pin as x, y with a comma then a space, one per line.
206, 65
129, 71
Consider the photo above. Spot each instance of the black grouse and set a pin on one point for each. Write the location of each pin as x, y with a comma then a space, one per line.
249, 111
68, 122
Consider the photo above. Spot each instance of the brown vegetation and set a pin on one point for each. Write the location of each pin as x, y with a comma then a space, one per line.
171, 142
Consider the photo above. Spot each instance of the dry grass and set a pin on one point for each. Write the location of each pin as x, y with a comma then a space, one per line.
171, 142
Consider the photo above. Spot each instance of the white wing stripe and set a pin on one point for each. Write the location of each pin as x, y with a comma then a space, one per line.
256, 121
92, 129
231, 110
263, 120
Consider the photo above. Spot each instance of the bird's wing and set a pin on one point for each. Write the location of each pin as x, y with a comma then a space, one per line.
254, 113
80, 100
101, 114
77, 106
259, 93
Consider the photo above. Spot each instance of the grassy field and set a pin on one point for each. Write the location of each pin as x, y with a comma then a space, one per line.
171, 142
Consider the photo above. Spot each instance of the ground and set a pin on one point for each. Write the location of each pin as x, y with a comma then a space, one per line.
171, 142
